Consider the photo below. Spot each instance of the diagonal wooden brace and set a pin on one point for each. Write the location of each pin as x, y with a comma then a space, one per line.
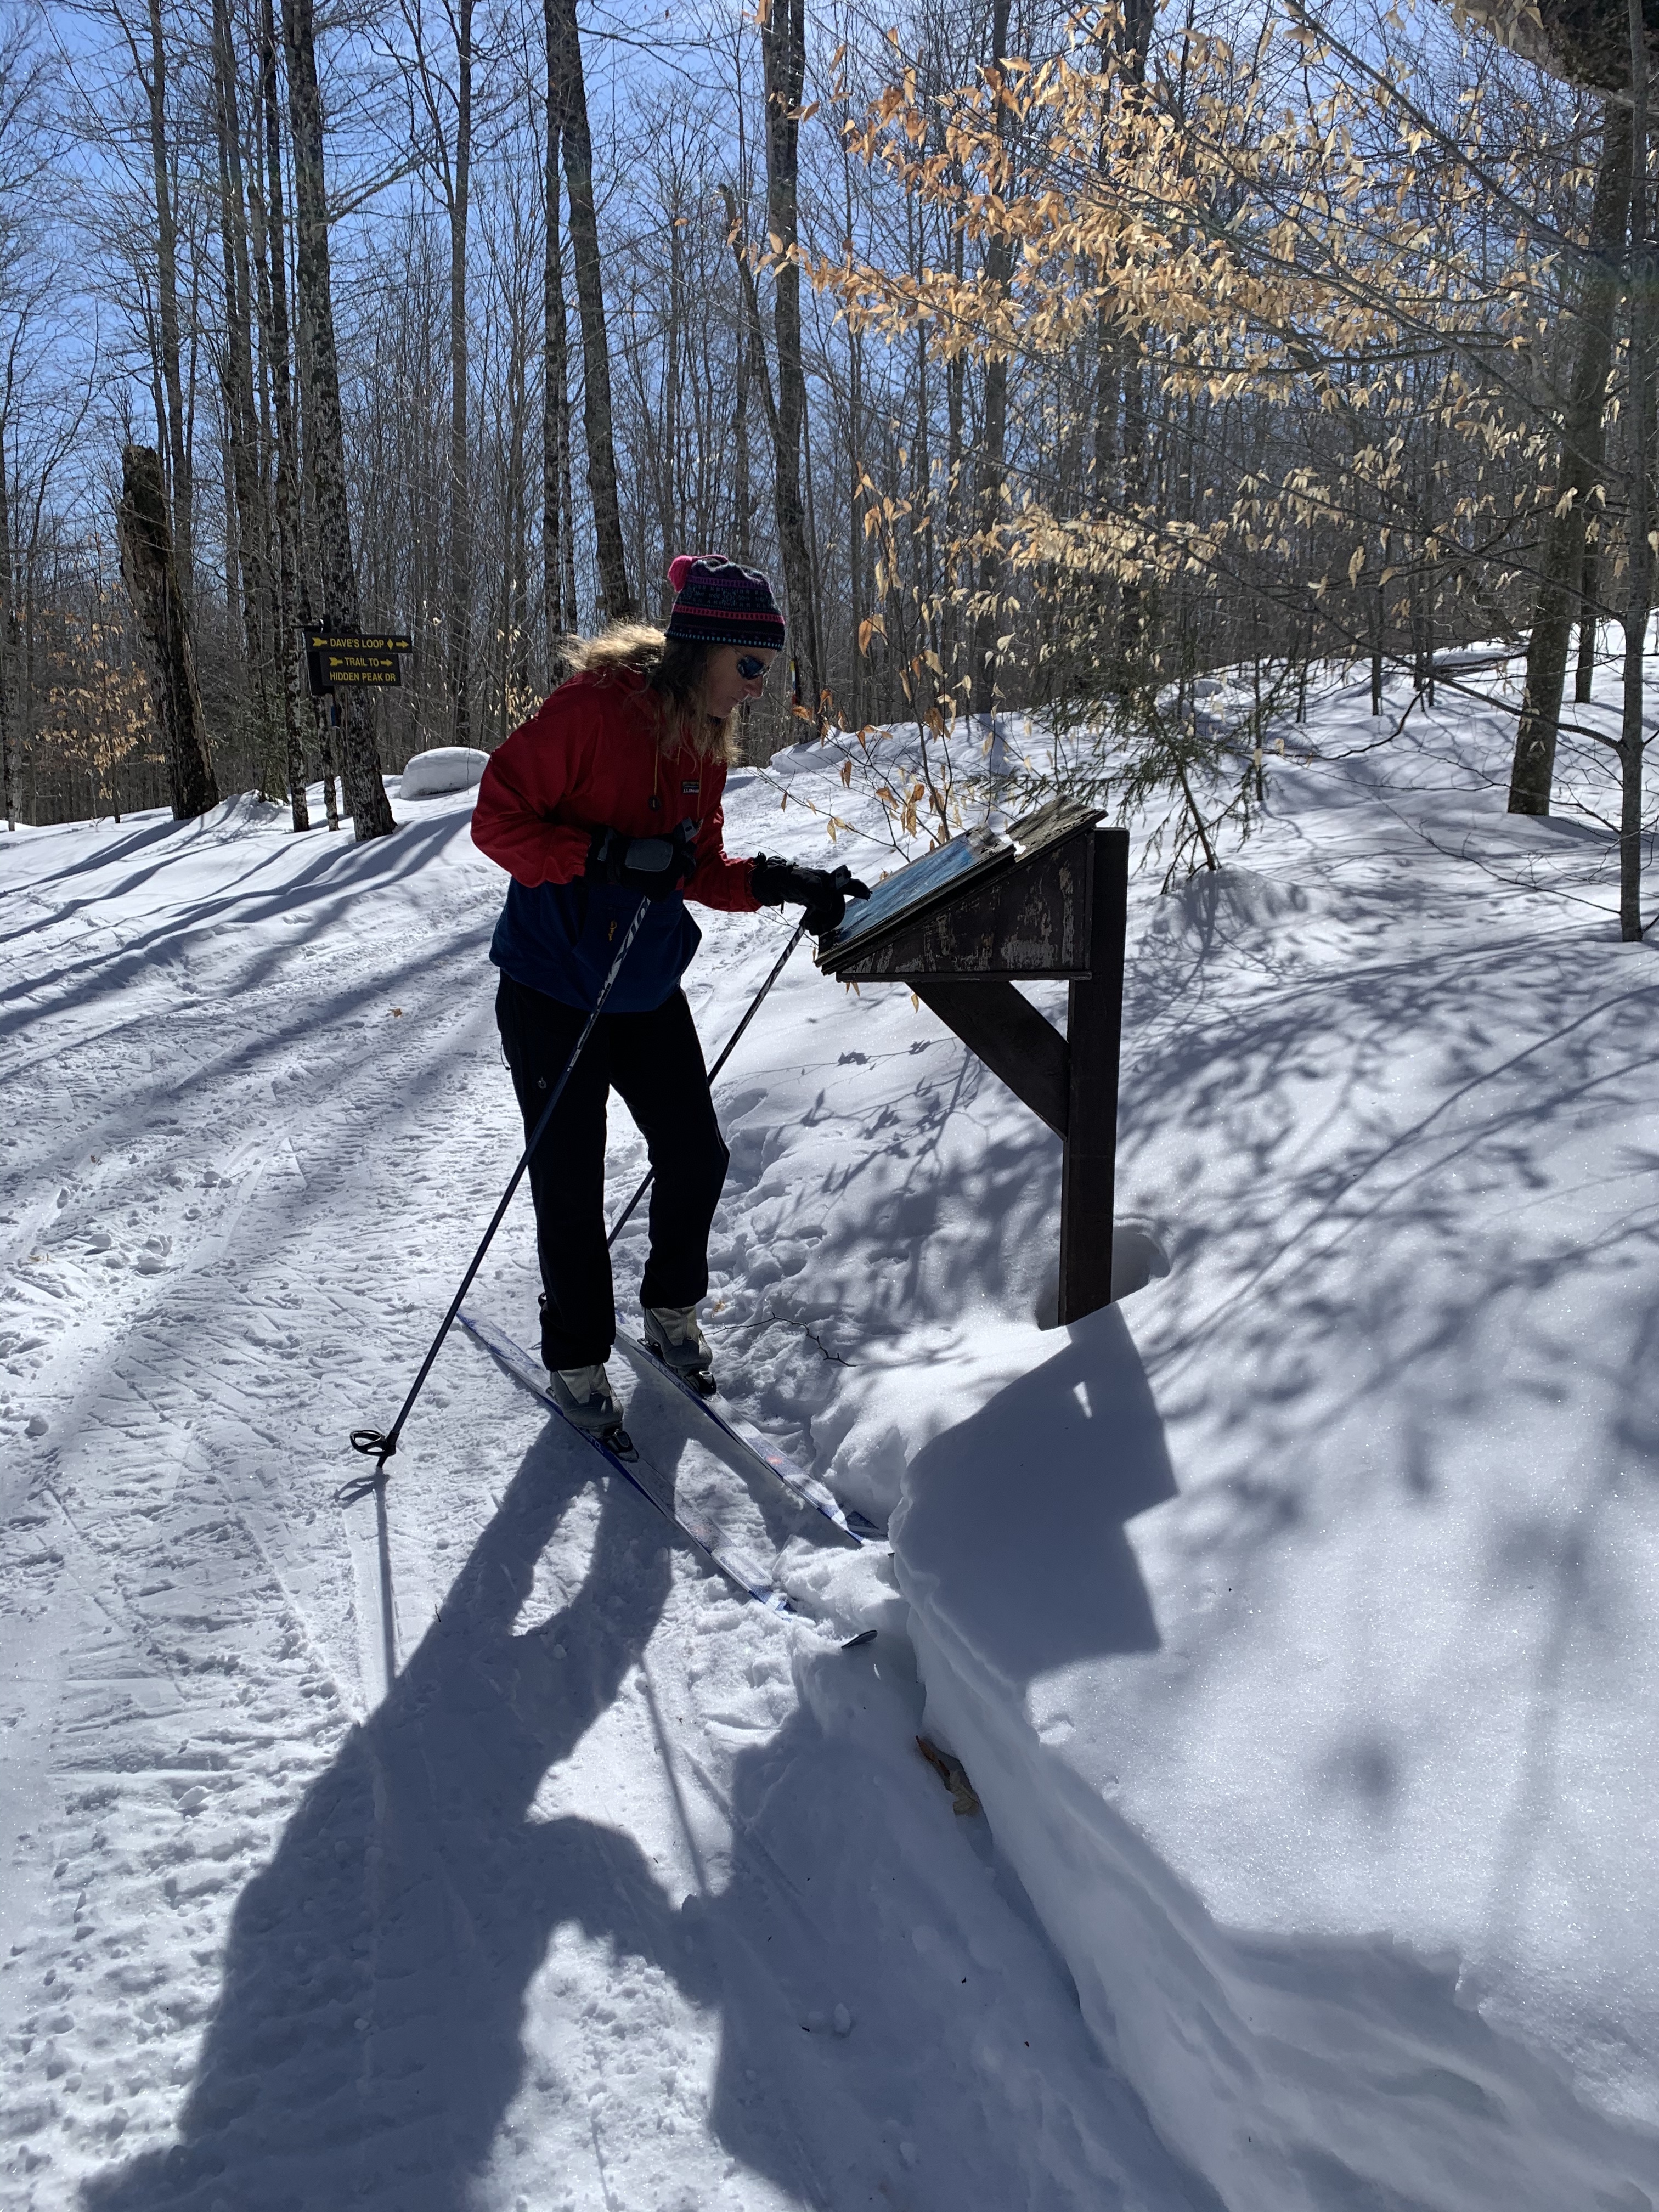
1008, 1034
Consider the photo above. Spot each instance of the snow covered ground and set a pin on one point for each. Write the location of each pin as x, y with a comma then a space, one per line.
478, 1848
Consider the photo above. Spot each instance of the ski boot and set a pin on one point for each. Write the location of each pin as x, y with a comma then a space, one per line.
672, 1332
586, 1398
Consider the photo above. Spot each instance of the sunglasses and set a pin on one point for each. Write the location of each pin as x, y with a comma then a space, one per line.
750, 665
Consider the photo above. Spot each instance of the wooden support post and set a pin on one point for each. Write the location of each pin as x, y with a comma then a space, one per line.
1094, 1024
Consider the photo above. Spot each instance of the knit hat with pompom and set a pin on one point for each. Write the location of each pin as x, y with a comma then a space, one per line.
718, 603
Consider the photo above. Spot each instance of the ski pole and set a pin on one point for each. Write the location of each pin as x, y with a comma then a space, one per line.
726, 1051
370, 1442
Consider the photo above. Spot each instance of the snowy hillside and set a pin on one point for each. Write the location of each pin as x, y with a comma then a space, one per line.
1290, 1618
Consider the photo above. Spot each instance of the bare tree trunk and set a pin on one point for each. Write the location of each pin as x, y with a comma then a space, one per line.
746, 361
741, 492
668, 474
460, 504
992, 462
921, 463
855, 515
325, 444
275, 347
232, 572
1590, 610
152, 581
7, 643
860, 637
568, 517
166, 287
956, 409
1583, 453
1638, 601
753, 364
783, 57
1130, 36
515, 626
564, 61
556, 395
237, 381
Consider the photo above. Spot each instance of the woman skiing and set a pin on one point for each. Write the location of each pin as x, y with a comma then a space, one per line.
608, 796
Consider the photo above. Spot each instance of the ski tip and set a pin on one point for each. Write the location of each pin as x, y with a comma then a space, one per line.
856, 1642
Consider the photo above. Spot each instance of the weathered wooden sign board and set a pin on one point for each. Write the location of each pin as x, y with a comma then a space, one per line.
339, 656
1047, 898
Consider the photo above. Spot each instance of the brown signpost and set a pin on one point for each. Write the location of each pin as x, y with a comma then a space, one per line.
1047, 898
337, 656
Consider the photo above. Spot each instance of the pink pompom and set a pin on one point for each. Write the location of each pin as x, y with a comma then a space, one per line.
680, 568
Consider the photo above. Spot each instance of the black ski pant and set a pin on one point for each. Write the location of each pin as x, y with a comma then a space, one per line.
655, 1061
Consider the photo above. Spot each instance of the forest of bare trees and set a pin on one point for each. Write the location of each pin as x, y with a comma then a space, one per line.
1049, 360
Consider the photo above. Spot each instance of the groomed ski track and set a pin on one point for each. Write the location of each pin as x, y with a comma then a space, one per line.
478, 1848
486, 1849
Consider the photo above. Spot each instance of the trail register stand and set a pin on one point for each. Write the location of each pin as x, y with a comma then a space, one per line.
1045, 899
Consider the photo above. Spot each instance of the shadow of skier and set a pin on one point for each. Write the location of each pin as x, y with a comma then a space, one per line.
369, 2042
366, 2039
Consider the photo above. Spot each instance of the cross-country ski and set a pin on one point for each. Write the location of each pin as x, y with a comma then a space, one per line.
757, 1450
624, 1459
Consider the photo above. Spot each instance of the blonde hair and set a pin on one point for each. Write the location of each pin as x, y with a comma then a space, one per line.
673, 669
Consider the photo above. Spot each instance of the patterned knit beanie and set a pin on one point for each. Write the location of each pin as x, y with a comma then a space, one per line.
718, 603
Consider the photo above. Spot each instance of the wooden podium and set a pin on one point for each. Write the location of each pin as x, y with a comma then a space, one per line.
1045, 899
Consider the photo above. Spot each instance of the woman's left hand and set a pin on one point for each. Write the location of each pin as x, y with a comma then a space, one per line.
822, 892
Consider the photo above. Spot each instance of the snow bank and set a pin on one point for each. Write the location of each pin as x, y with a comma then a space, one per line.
1292, 1620
444, 769
1294, 2066
471, 1845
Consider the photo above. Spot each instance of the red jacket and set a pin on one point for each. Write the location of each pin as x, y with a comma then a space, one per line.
591, 759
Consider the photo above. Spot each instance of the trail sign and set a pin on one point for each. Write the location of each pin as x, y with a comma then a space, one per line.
962, 927
341, 656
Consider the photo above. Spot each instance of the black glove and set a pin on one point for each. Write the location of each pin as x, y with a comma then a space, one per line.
656, 866
822, 891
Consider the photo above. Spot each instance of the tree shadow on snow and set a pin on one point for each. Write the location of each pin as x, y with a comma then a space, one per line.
318, 890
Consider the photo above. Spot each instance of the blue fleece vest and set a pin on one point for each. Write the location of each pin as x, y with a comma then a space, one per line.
561, 939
